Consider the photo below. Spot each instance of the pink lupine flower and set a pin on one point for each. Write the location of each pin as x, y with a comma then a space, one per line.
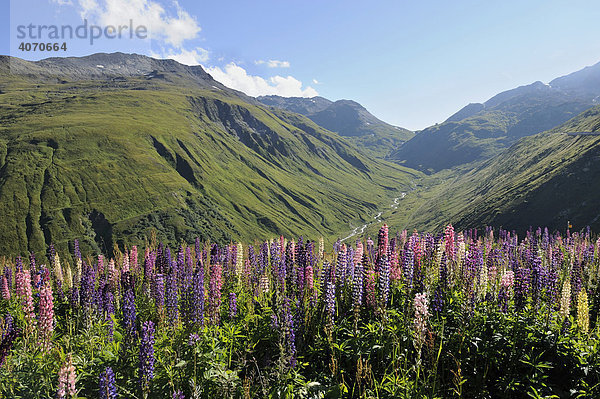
421, 304
46, 316
66, 380
508, 279
27, 298
133, 258
4, 288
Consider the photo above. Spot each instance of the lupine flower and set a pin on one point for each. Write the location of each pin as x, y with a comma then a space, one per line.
9, 334
369, 283
198, 298
583, 312
321, 247
68, 277
239, 261
4, 288
171, 299
438, 299
449, 241
178, 395
58, 274
66, 380
129, 316
357, 286
214, 289
27, 298
193, 339
382, 241
384, 279
565, 299
421, 305
508, 279
330, 302
147, 355
109, 311
107, 385
341, 266
46, 316
232, 305
288, 331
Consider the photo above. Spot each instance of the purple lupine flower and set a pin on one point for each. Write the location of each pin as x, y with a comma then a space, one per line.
521, 289
8, 273
109, 311
193, 339
171, 299
147, 355
9, 334
31, 261
129, 315
159, 292
340, 269
330, 303
74, 298
538, 278
76, 250
384, 279
107, 384
438, 299
408, 263
87, 292
232, 305
178, 395
282, 271
214, 289
198, 299
288, 331
357, 286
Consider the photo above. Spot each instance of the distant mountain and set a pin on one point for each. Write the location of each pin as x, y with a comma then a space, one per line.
299, 105
109, 147
480, 131
348, 119
547, 179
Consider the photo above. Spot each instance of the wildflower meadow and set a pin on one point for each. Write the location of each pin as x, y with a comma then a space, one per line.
473, 314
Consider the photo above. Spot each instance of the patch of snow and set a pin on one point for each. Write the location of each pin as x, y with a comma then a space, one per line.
99, 66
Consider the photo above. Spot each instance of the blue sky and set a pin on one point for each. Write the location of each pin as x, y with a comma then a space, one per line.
410, 63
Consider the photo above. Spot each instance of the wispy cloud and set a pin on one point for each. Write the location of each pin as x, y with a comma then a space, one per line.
273, 63
236, 77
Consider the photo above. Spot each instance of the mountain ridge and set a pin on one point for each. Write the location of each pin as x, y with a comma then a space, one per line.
479, 131
347, 118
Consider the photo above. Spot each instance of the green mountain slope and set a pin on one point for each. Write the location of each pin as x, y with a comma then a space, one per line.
480, 131
547, 179
347, 118
112, 152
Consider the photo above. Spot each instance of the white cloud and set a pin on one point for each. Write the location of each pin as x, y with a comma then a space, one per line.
172, 29
62, 2
315, 81
236, 77
274, 63
186, 57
